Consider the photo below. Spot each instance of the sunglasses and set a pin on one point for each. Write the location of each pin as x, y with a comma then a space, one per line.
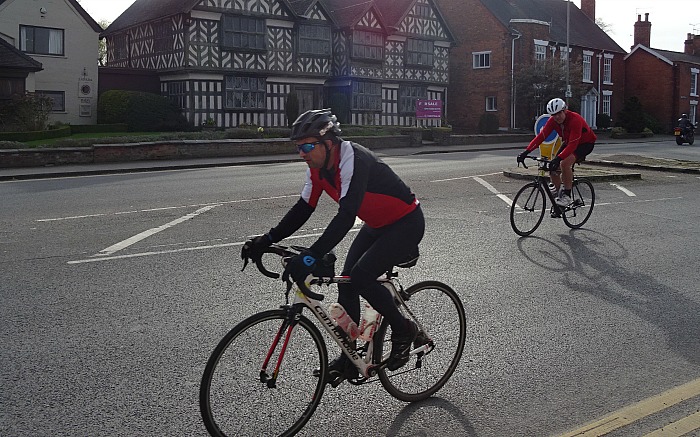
307, 147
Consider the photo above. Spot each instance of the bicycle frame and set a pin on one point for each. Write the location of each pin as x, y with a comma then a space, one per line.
365, 366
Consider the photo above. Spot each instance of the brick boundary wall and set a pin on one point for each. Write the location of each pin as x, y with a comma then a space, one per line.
188, 149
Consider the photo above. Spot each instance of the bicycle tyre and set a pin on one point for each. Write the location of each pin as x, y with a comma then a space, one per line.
441, 313
527, 209
583, 200
232, 399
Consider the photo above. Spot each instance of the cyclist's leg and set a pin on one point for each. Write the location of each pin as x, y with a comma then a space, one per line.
567, 173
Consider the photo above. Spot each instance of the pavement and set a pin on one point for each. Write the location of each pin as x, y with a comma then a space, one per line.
597, 166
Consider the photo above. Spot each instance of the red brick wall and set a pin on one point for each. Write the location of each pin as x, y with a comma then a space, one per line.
651, 80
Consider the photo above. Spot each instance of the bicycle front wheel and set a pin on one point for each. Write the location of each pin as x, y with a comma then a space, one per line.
235, 399
527, 209
582, 201
440, 312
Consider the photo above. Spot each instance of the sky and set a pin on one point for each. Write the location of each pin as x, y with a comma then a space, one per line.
671, 20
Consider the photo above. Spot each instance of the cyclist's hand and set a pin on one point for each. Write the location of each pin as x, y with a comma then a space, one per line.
522, 156
255, 247
300, 266
555, 164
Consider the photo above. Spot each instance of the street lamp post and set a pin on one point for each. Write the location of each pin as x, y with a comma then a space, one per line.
568, 52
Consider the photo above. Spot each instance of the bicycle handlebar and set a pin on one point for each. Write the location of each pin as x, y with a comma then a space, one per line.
534, 158
285, 253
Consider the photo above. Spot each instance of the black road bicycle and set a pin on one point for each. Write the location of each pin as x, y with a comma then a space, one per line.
267, 375
529, 204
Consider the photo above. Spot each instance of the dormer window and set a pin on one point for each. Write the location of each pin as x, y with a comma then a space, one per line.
243, 33
419, 53
367, 46
314, 40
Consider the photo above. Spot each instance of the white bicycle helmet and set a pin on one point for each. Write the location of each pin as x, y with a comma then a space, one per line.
555, 105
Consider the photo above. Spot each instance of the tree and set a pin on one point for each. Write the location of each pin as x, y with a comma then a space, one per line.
542, 81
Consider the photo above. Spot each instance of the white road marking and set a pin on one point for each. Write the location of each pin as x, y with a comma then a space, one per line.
145, 234
184, 249
466, 177
490, 187
164, 208
623, 189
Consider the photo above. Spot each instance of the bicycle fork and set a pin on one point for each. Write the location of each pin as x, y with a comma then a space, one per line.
285, 331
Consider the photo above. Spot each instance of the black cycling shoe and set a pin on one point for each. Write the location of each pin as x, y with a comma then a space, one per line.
339, 370
401, 346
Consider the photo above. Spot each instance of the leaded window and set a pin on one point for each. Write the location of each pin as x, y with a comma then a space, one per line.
367, 45
243, 33
177, 93
41, 40
366, 96
245, 92
162, 38
314, 40
419, 53
408, 97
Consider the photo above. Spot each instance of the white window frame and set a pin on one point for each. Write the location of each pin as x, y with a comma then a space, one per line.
564, 54
693, 111
694, 72
587, 63
481, 60
607, 69
607, 99
540, 50
491, 105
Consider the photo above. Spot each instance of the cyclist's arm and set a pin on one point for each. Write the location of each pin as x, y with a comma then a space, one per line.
544, 133
292, 221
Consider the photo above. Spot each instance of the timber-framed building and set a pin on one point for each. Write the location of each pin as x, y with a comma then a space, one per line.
238, 61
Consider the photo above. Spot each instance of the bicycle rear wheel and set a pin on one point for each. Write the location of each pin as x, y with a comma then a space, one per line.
234, 401
440, 312
527, 209
582, 201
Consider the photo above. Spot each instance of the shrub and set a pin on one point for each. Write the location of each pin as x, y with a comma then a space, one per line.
632, 116
604, 121
141, 111
488, 124
28, 112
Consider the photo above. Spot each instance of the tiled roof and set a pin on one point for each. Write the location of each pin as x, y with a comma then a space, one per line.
583, 31
12, 58
347, 12
146, 10
678, 56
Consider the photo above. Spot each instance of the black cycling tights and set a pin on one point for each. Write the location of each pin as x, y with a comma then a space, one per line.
372, 253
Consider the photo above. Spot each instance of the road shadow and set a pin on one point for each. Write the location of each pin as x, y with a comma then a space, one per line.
418, 419
591, 262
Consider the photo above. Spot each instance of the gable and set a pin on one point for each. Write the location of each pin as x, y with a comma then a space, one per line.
370, 20
421, 19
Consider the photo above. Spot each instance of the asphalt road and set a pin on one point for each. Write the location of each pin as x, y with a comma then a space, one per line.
116, 288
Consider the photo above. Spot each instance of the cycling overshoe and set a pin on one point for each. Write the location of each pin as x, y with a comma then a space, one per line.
563, 199
401, 346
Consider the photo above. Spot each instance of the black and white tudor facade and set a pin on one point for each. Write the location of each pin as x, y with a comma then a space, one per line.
236, 61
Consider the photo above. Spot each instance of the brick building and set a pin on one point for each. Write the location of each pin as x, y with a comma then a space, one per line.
665, 82
497, 38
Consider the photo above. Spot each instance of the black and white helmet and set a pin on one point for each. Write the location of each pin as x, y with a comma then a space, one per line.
555, 105
319, 123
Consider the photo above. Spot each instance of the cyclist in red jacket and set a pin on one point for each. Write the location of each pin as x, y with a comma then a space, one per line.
577, 138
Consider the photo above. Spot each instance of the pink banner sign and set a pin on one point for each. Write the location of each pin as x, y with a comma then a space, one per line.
428, 108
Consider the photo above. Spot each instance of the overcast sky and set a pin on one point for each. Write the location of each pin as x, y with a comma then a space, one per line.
671, 20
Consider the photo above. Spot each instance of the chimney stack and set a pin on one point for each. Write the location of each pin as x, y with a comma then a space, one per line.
692, 45
588, 8
642, 31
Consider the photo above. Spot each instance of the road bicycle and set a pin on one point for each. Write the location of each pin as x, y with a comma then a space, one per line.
530, 203
267, 375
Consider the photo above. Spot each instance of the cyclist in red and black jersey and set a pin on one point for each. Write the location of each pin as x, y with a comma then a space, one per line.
365, 187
